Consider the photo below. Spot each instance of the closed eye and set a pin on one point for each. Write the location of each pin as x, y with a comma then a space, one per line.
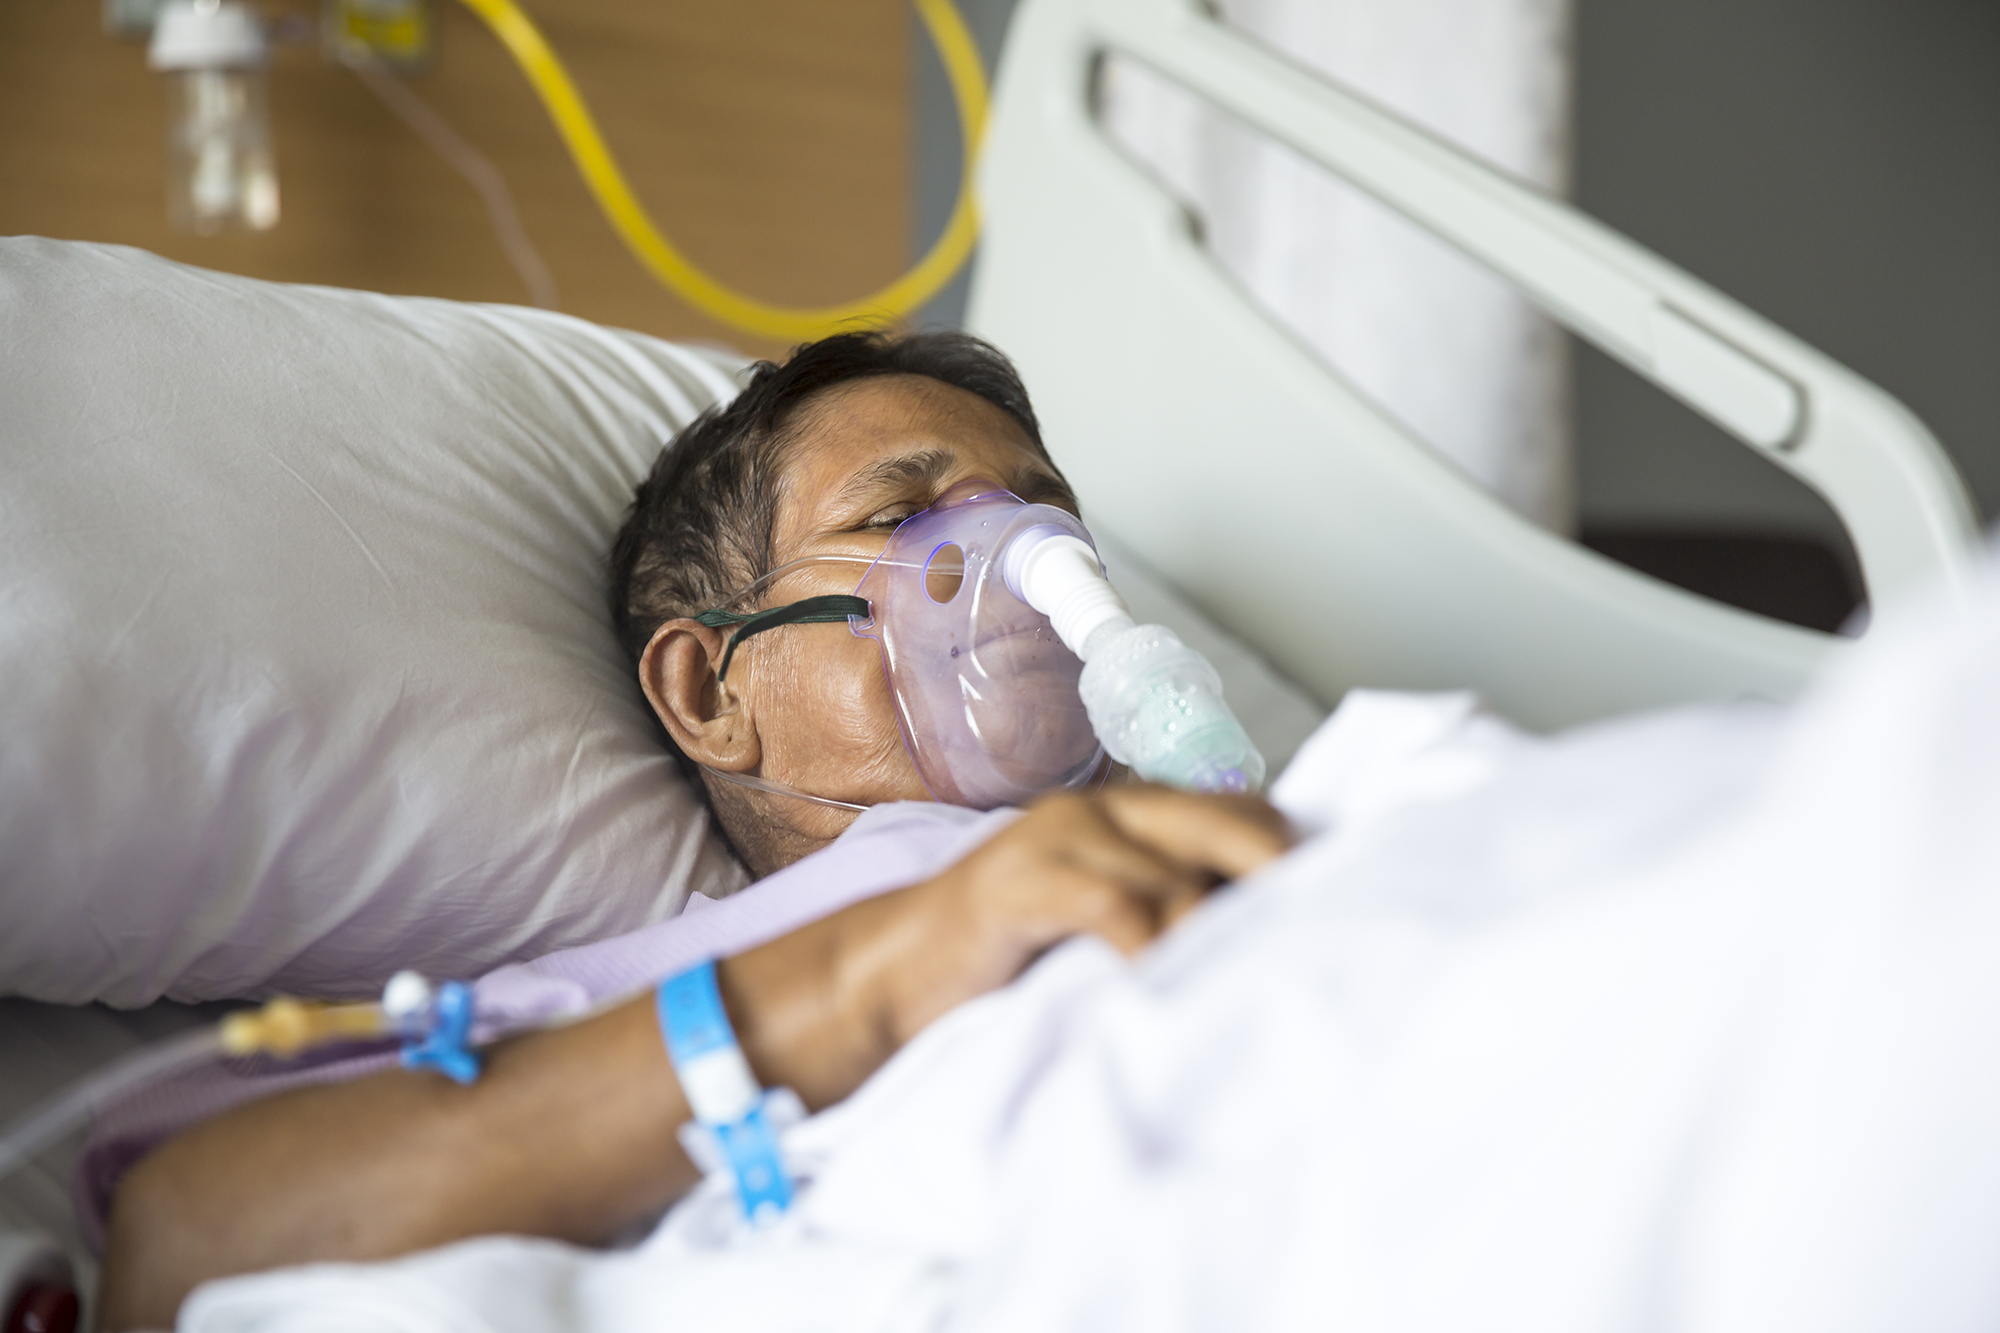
888, 518
896, 488
902, 484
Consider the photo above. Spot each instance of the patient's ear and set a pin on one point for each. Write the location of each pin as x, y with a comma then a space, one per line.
710, 722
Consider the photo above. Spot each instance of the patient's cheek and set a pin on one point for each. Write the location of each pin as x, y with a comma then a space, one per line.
834, 732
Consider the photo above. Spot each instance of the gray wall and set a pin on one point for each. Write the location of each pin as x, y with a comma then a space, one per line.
937, 142
1834, 164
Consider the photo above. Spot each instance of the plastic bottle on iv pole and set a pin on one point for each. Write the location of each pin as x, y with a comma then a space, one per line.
1155, 703
221, 174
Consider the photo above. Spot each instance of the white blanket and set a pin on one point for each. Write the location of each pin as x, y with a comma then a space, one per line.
1686, 1022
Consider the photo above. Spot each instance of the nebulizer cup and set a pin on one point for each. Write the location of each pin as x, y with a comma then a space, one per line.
221, 172
1157, 705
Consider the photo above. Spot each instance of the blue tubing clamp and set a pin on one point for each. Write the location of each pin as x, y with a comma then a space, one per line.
446, 1042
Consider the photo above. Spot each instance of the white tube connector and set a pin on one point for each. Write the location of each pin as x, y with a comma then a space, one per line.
407, 999
190, 34
1059, 575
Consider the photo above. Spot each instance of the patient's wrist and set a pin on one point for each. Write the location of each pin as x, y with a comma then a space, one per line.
808, 1008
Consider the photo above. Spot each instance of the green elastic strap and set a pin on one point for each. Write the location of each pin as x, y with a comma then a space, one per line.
812, 611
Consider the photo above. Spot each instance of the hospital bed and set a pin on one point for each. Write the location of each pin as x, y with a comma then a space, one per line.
1299, 514
1294, 512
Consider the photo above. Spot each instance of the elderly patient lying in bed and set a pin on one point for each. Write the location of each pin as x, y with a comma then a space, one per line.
1689, 1021
571, 1133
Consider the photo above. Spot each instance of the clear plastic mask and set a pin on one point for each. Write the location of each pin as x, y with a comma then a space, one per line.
985, 693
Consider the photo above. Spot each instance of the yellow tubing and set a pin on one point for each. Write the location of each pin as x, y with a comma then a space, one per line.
679, 273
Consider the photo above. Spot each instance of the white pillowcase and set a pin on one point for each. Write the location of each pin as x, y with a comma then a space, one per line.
305, 668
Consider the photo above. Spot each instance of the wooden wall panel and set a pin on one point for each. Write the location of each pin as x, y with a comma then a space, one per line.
770, 138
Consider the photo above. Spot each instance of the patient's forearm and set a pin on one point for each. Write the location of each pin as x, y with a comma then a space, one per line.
568, 1134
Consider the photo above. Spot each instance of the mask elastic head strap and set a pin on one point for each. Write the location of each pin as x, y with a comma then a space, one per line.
812, 611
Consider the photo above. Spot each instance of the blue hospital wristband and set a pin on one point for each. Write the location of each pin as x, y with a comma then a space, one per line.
721, 1090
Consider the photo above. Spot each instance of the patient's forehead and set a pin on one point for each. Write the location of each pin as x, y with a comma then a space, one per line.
874, 451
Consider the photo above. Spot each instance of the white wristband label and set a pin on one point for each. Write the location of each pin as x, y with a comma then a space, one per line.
719, 1087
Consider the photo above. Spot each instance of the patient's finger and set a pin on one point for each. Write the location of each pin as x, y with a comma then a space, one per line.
1098, 844
1082, 903
1229, 835
1076, 831
1052, 897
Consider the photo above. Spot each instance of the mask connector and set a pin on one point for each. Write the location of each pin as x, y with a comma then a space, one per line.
1068, 585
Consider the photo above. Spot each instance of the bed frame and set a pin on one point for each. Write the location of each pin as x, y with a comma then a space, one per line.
1298, 514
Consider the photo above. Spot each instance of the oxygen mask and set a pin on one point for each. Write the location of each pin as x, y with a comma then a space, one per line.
985, 609
985, 692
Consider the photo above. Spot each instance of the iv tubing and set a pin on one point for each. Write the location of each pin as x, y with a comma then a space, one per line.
679, 273
47, 1123
471, 164
764, 784
283, 1027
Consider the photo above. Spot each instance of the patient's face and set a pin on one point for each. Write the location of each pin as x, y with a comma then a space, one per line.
870, 454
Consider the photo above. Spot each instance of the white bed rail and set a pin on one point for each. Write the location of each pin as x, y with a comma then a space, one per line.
1178, 407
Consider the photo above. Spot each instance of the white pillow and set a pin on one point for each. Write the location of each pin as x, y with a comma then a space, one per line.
305, 668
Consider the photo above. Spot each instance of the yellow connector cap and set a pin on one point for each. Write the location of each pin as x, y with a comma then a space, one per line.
285, 1026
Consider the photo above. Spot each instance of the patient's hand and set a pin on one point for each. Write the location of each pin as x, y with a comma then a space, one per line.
821, 1008
1122, 865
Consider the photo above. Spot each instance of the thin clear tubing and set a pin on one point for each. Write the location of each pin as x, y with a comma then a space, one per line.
46, 1125
750, 594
